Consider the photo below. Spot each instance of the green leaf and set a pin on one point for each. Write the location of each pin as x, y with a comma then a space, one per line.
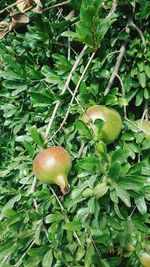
34, 252
29, 148
33, 74
99, 124
147, 70
37, 137
14, 85
115, 170
51, 76
48, 259
10, 75
123, 195
82, 214
88, 256
91, 205
9, 205
114, 223
100, 189
72, 226
88, 163
141, 204
139, 98
7, 248
83, 129
80, 253
32, 261
140, 225
53, 218
77, 191
118, 212
39, 98
12, 64
114, 196
4, 173
120, 155
142, 79
19, 90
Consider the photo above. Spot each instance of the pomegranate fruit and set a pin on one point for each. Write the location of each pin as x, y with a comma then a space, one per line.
112, 122
129, 247
52, 165
145, 259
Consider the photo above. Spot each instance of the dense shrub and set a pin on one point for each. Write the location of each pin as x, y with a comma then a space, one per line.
71, 57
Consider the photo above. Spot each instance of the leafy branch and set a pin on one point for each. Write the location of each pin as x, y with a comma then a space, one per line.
64, 90
73, 97
118, 63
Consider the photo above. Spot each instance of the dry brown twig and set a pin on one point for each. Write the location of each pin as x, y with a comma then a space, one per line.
24, 254
73, 97
132, 24
122, 52
69, 78
145, 113
10, 6
81, 149
56, 5
123, 94
117, 65
113, 9
64, 90
23, 5
62, 208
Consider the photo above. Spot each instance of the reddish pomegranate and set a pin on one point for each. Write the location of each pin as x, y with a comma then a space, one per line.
52, 165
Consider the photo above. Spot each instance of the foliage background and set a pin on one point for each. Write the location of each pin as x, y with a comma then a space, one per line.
35, 62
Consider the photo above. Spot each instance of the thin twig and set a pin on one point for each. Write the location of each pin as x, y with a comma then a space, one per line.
92, 240
69, 48
54, 194
64, 90
57, 5
123, 94
81, 150
20, 260
117, 65
77, 101
145, 112
4, 260
147, 115
32, 190
76, 236
113, 9
10, 6
51, 120
62, 208
131, 23
73, 97
21, 1
129, 217
21, 187
134, 124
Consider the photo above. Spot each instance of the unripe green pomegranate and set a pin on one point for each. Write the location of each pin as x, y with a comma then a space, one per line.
145, 259
112, 122
88, 192
52, 165
145, 127
129, 247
